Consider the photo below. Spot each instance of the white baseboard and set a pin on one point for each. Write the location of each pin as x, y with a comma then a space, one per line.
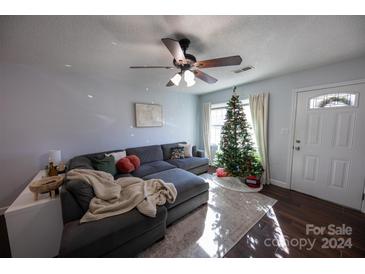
280, 183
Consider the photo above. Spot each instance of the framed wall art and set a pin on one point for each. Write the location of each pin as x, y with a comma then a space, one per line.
148, 115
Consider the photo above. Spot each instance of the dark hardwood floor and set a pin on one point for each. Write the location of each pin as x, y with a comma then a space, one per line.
288, 220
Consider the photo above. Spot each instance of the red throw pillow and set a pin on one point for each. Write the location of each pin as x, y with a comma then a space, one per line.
124, 165
135, 161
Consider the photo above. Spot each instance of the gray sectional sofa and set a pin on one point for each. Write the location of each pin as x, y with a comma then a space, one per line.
128, 234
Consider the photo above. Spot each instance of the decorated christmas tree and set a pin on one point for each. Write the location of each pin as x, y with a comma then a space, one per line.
237, 154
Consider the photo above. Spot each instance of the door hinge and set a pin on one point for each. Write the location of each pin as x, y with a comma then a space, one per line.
363, 196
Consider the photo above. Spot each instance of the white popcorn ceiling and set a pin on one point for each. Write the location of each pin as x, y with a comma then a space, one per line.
105, 46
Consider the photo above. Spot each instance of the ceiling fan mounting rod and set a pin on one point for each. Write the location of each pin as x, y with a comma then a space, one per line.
189, 61
184, 44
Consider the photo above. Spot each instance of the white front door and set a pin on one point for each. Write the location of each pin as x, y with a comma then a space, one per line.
329, 144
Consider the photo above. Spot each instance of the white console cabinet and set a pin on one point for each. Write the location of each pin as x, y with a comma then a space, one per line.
34, 227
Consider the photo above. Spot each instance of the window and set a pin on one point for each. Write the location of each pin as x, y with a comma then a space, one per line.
333, 100
217, 116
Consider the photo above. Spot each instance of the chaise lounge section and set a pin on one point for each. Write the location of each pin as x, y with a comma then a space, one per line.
128, 234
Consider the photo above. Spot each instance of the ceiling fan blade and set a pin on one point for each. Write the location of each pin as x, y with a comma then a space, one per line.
175, 49
170, 84
205, 77
146, 67
220, 62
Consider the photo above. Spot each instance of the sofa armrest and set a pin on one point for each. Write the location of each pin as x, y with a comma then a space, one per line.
80, 162
71, 210
199, 153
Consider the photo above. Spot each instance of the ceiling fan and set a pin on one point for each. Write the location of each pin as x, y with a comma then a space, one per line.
188, 65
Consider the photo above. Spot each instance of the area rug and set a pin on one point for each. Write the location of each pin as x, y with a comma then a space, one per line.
214, 228
231, 183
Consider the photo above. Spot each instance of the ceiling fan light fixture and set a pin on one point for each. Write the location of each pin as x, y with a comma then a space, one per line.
190, 83
176, 79
189, 76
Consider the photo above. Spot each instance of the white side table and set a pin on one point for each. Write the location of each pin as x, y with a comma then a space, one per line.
34, 227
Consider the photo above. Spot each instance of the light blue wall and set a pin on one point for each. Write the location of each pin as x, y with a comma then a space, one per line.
42, 110
281, 92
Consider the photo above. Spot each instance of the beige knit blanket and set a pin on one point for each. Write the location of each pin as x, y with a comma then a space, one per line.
114, 197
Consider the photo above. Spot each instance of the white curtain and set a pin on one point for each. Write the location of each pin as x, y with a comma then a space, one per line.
259, 105
206, 131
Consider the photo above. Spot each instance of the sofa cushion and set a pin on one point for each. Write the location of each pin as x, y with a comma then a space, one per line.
152, 167
189, 163
147, 154
187, 184
80, 162
94, 239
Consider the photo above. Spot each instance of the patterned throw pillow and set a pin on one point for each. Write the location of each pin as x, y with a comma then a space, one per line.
177, 153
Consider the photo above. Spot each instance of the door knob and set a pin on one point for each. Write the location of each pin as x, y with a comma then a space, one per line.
297, 148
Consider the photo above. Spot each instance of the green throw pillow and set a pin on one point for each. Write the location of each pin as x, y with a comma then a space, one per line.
107, 164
